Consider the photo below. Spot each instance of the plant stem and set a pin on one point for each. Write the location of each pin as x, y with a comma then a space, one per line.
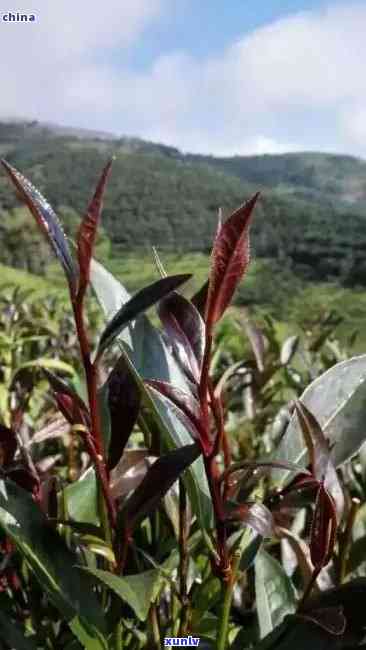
154, 625
218, 412
184, 559
118, 636
228, 588
91, 375
309, 588
123, 552
214, 485
203, 388
347, 540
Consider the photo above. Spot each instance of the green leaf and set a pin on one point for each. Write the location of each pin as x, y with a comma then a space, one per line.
356, 564
53, 563
142, 341
248, 543
205, 624
138, 591
110, 292
82, 498
197, 486
275, 593
148, 358
85, 634
206, 595
49, 364
337, 399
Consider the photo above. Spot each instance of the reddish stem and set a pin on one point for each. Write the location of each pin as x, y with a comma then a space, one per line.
123, 551
218, 411
91, 375
211, 467
309, 588
213, 479
203, 388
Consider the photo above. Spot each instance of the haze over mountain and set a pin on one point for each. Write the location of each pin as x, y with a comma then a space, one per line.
311, 216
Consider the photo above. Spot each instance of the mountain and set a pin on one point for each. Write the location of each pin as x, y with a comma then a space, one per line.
310, 219
310, 175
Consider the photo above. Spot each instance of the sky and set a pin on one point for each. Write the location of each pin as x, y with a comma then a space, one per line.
222, 77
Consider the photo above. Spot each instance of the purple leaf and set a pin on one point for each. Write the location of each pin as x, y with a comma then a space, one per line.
124, 399
25, 478
8, 445
199, 300
322, 466
250, 467
70, 404
47, 221
139, 303
318, 447
257, 516
185, 401
186, 409
156, 483
230, 259
71, 410
88, 230
330, 619
186, 329
323, 529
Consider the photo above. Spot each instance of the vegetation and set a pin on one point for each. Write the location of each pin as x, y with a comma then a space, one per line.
202, 478
310, 218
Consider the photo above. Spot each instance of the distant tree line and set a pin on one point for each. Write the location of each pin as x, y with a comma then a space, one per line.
158, 197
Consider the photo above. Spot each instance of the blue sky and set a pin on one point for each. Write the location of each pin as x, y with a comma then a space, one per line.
223, 77
202, 28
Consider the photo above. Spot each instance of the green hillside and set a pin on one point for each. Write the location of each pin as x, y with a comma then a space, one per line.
310, 219
319, 177
10, 276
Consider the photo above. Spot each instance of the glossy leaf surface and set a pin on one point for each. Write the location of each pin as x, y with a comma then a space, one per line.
138, 591
81, 498
149, 358
70, 403
88, 230
140, 302
50, 559
323, 529
337, 399
186, 330
322, 466
124, 399
275, 593
157, 481
47, 221
230, 259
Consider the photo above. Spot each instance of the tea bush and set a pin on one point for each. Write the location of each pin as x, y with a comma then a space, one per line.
202, 479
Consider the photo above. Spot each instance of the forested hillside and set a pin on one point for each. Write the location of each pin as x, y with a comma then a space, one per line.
311, 217
315, 176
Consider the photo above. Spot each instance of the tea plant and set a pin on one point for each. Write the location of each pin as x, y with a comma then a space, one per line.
168, 527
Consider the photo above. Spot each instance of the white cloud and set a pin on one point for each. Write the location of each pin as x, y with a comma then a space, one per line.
298, 83
42, 62
353, 124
